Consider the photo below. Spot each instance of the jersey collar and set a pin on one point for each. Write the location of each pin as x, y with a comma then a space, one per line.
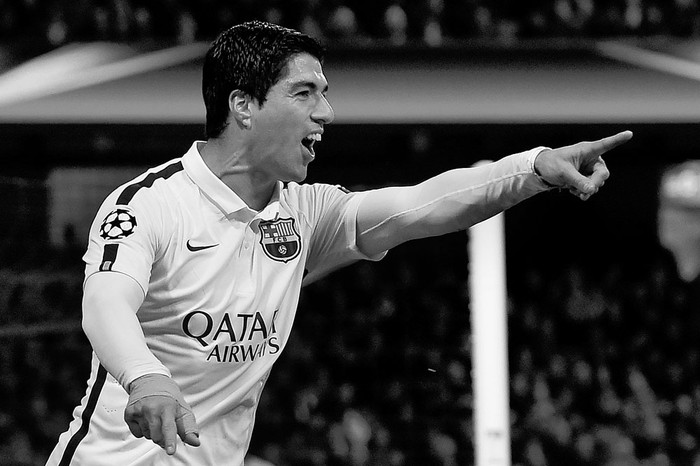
224, 198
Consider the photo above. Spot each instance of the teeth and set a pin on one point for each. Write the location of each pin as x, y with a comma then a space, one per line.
314, 137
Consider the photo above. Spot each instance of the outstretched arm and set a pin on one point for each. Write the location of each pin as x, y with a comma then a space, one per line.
458, 199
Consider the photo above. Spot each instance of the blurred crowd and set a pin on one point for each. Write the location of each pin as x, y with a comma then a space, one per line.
353, 22
604, 365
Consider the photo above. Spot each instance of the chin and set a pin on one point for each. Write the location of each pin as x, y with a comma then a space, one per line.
296, 177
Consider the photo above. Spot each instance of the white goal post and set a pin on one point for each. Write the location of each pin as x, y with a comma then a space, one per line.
487, 288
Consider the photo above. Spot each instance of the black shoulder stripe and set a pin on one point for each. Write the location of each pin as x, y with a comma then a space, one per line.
109, 255
87, 414
128, 194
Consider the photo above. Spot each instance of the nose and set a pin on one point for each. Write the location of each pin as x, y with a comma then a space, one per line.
323, 112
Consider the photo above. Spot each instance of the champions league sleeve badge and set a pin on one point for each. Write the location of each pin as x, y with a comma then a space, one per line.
279, 239
118, 224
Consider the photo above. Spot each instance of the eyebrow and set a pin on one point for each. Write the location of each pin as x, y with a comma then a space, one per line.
309, 84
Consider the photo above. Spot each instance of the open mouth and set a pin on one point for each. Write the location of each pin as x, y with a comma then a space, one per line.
309, 142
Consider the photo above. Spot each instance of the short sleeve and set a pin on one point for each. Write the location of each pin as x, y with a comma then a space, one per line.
123, 238
332, 212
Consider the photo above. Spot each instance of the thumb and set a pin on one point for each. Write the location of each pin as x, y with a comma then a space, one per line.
187, 426
578, 183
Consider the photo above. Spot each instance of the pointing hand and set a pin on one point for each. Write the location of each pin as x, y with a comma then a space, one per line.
158, 411
579, 167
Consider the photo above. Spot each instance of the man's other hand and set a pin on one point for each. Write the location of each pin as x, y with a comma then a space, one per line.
158, 411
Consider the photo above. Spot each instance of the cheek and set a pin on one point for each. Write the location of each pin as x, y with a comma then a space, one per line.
282, 131
272, 136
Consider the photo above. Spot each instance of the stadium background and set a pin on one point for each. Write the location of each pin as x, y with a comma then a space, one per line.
603, 333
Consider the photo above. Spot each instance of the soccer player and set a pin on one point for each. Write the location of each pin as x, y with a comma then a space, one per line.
194, 269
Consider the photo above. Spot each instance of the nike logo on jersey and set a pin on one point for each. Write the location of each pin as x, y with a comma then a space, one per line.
199, 248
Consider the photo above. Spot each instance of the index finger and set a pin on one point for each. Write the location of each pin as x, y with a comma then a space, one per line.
604, 145
169, 430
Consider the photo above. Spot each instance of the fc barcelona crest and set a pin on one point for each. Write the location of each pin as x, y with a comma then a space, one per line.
279, 239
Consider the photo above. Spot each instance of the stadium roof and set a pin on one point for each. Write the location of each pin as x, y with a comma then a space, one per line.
601, 82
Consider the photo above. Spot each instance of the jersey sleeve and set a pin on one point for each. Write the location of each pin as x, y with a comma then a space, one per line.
332, 212
124, 236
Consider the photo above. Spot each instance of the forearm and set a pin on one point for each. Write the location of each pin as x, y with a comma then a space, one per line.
452, 201
109, 320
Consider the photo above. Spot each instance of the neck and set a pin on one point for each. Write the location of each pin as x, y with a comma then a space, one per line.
232, 168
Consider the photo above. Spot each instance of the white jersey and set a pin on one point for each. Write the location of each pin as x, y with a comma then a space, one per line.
221, 285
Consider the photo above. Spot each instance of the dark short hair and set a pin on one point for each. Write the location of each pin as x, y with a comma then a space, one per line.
250, 57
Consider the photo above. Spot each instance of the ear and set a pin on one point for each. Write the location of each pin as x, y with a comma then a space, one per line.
239, 105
